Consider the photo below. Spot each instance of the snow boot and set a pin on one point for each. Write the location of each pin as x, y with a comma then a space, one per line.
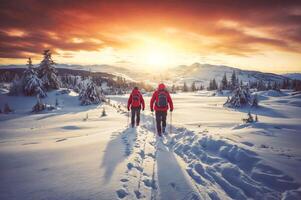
159, 134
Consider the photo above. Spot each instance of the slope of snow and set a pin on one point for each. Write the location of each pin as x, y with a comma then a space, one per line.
73, 153
205, 72
296, 76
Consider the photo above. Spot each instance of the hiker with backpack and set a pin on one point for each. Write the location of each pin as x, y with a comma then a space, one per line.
135, 102
161, 102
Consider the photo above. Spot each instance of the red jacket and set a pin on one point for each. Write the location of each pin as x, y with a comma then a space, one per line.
132, 102
154, 100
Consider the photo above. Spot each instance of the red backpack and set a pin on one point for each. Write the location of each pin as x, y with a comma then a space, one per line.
136, 100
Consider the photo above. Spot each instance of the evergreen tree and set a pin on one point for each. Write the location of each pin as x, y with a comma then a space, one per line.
47, 72
173, 89
241, 96
16, 86
260, 85
255, 101
32, 85
233, 80
224, 83
89, 94
193, 87
276, 86
269, 86
214, 84
185, 87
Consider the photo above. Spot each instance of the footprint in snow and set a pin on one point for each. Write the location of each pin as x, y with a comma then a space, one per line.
60, 140
121, 193
124, 180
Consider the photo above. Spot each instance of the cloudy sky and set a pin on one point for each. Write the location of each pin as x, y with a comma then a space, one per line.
256, 35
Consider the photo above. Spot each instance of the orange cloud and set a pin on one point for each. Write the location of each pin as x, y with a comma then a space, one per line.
238, 28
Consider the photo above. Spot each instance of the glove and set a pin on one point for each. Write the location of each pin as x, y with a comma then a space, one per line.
128, 109
170, 110
142, 109
152, 110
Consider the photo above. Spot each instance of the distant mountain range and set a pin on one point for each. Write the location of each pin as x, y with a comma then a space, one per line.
206, 72
296, 76
202, 73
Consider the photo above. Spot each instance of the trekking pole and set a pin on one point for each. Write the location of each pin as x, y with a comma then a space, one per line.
128, 119
170, 123
154, 124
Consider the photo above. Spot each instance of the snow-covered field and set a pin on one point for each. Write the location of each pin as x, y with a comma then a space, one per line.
210, 154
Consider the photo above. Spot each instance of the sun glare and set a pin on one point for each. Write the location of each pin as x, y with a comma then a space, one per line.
155, 54
156, 58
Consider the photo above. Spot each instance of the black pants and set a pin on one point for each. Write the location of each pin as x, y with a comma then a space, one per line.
135, 114
161, 121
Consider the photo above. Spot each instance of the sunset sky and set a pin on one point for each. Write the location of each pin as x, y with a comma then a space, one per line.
255, 35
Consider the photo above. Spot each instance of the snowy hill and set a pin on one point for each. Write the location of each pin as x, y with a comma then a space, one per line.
296, 76
206, 72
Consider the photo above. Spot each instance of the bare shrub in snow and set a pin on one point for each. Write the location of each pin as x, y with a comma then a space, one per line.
39, 106
90, 94
103, 113
249, 119
56, 102
7, 109
47, 72
86, 117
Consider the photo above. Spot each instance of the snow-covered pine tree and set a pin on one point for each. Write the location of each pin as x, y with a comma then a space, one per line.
234, 80
193, 87
254, 101
224, 83
32, 85
89, 94
16, 86
241, 96
173, 89
47, 72
185, 87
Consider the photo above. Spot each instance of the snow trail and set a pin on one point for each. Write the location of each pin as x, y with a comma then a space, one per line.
192, 166
152, 171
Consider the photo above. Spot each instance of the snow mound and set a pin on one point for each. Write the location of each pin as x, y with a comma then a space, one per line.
215, 163
272, 93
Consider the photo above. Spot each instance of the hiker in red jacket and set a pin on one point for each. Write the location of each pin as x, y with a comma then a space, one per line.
161, 98
134, 103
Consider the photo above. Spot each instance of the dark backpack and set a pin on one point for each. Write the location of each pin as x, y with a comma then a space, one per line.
136, 100
162, 100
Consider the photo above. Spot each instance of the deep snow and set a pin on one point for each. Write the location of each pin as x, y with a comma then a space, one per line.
63, 154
